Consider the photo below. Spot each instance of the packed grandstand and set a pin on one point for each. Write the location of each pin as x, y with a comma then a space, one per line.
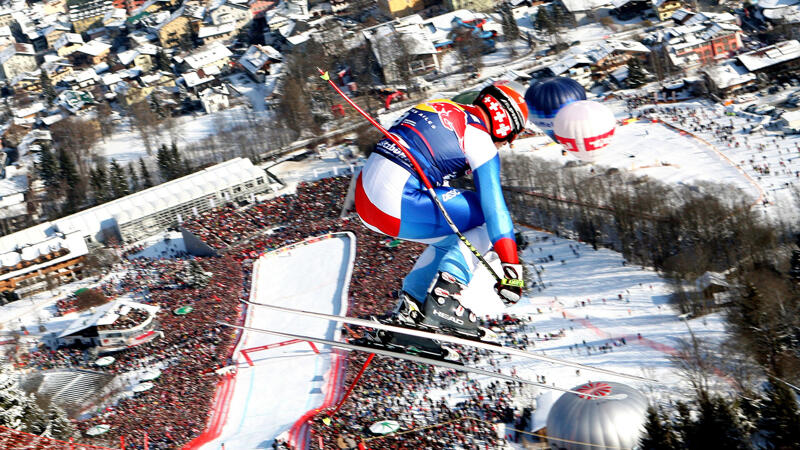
194, 346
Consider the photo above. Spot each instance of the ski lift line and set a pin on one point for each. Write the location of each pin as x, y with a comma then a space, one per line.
448, 338
428, 186
413, 358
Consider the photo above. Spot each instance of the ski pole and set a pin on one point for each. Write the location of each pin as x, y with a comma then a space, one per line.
428, 186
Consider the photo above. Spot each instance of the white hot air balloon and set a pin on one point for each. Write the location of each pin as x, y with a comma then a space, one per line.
584, 128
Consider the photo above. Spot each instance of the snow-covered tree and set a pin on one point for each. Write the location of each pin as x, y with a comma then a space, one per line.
19, 410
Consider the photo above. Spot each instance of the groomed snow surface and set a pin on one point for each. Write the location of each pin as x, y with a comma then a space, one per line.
288, 381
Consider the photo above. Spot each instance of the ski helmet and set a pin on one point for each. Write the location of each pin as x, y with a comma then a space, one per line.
505, 106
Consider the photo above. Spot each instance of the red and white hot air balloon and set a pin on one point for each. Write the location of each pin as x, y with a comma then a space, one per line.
584, 128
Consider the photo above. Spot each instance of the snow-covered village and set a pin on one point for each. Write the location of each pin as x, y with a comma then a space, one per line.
385, 224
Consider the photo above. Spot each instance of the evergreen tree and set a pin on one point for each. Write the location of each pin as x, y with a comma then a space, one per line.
658, 432
117, 180
68, 176
780, 418
147, 181
48, 166
636, 73
58, 425
510, 28
560, 15
717, 426
164, 161
162, 61
543, 20
47, 87
178, 168
794, 266
20, 411
156, 106
98, 180
133, 178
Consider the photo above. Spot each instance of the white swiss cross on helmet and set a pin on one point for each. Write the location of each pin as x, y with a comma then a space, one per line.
505, 109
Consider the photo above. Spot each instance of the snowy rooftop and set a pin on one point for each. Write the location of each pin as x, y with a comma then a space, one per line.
771, 4
604, 49
34, 108
208, 31
68, 39
729, 74
199, 77
568, 62
771, 55
584, 5
257, 55
147, 49
106, 315
127, 56
207, 55
15, 182
38, 243
161, 197
94, 47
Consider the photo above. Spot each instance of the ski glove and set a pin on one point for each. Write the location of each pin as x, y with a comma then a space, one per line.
510, 287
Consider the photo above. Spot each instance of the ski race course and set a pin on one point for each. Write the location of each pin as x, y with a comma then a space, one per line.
285, 383
594, 310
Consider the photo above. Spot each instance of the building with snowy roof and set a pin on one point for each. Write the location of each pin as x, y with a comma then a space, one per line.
68, 43
581, 10
113, 326
91, 53
53, 250
790, 120
729, 79
703, 39
257, 59
666, 8
36, 260
575, 66
213, 55
212, 33
774, 59
16, 59
388, 43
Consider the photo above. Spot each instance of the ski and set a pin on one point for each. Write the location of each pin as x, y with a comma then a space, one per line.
446, 338
407, 357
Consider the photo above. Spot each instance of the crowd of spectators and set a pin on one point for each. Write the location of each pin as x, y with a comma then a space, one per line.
194, 345
191, 348
133, 318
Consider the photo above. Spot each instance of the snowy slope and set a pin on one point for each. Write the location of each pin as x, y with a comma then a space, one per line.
286, 382
591, 276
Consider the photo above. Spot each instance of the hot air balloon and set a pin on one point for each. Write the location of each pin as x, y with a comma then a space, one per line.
584, 127
546, 97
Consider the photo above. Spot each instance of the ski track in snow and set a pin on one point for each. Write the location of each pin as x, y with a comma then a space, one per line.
286, 382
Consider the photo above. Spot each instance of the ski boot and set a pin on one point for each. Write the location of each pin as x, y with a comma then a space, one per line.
441, 312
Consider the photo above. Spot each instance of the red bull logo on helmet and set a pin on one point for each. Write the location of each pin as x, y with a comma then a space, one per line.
453, 118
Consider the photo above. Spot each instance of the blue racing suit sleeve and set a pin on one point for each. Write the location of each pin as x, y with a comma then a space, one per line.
498, 219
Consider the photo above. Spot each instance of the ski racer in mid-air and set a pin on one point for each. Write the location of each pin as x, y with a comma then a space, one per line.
447, 140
